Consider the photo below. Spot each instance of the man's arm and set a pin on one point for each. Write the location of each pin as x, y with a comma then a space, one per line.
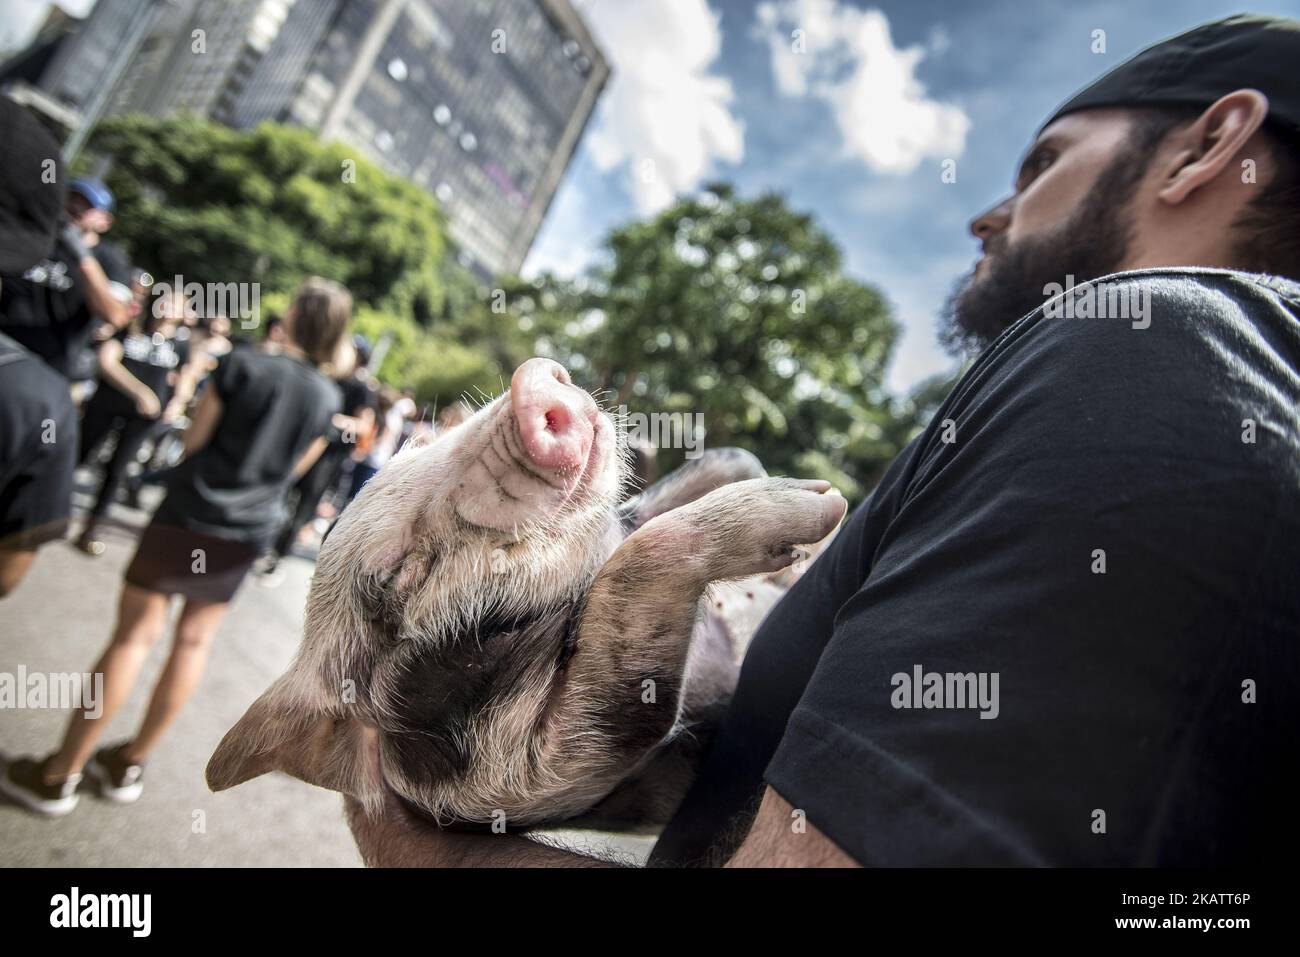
117, 375
778, 838
399, 839
99, 296
204, 423
783, 837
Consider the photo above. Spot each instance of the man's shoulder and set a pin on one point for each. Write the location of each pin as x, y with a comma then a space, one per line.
34, 392
1168, 360
1182, 322
1180, 293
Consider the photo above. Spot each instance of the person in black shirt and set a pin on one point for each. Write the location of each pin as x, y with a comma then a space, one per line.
52, 307
38, 447
147, 379
38, 423
1062, 630
360, 406
261, 422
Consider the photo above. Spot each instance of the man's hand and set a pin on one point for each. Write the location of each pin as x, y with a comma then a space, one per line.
72, 239
147, 405
397, 838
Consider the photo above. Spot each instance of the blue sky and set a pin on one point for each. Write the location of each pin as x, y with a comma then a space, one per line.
854, 129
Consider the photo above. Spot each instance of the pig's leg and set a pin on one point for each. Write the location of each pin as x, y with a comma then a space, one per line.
697, 477
622, 690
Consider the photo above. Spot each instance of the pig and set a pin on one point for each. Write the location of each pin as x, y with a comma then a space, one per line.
496, 636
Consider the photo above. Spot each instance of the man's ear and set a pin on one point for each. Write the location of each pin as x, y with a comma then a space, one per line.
1213, 141
288, 730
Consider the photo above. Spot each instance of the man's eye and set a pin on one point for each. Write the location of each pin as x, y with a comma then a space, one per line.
1039, 162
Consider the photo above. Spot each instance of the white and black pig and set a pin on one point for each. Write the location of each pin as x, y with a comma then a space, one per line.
490, 632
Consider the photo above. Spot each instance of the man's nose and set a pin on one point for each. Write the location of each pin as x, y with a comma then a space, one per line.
992, 221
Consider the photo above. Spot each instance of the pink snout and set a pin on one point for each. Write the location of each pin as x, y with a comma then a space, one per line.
556, 419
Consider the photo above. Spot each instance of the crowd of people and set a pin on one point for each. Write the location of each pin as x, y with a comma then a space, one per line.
257, 442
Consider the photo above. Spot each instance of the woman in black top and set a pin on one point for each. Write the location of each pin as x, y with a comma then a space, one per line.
260, 424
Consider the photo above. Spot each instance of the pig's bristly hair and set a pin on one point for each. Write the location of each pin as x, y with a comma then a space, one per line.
458, 749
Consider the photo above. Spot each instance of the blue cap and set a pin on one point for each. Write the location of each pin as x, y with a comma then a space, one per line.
95, 191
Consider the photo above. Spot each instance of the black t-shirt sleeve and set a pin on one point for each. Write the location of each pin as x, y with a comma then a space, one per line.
38, 452
1099, 535
330, 403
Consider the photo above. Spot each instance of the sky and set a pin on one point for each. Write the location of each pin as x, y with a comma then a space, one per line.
855, 128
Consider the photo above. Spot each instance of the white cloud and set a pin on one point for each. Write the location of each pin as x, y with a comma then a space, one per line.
846, 57
19, 19
663, 117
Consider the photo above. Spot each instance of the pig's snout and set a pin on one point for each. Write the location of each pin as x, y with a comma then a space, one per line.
556, 419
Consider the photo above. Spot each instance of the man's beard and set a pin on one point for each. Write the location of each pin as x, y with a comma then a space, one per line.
1093, 242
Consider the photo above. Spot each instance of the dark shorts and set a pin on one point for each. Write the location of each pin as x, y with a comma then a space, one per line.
180, 561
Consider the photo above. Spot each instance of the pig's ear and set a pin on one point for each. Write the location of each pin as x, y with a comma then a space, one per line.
286, 730
422, 436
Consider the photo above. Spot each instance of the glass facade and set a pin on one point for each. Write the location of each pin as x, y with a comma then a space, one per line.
472, 101
481, 103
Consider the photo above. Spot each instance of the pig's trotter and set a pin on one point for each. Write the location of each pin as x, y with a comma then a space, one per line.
758, 526
643, 607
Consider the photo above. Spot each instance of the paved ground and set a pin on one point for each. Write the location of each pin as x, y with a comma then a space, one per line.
58, 621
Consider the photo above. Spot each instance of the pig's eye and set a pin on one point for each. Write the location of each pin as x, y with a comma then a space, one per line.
380, 601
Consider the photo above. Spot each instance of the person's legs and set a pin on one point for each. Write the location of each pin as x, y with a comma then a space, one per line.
14, 563
141, 618
96, 422
198, 623
133, 434
156, 436
311, 488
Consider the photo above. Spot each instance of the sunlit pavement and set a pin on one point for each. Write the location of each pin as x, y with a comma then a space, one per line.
59, 620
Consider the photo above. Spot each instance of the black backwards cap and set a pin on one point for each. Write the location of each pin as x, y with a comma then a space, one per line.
1197, 67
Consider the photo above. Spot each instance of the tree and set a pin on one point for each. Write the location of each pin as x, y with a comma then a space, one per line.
736, 309
273, 205
269, 206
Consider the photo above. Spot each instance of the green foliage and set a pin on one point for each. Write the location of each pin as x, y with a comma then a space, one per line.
736, 309
272, 205
435, 366
731, 307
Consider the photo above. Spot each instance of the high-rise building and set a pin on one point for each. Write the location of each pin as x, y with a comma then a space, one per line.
480, 103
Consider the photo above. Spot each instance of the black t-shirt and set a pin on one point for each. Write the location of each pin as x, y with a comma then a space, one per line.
153, 359
38, 449
1113, 529
274, 406
45, 308
357, 397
